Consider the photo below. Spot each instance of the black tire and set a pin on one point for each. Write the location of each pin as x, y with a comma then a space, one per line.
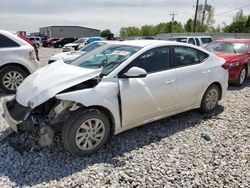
239, 82
72, 125
7, 70
205, 107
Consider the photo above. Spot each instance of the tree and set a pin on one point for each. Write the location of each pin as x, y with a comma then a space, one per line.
106, 33
148, 30
129, 31
189, 25
240, 24
209, 19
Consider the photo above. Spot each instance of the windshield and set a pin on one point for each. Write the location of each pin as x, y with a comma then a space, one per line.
82, 40
92, 46
108, 57
227, 47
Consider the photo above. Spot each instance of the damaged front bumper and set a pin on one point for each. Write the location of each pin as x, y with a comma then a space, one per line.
41, 120
14, 113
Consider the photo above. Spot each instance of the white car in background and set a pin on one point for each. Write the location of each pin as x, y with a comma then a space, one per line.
36, 40
75, 45
115, 88
201, 41
68, 57
17, 61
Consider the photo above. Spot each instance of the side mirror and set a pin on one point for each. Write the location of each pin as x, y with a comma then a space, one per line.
135, 72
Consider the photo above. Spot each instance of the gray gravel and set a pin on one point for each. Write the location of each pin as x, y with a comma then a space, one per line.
188, 150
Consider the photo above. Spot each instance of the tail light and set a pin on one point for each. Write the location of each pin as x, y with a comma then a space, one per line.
32, 55
225, 66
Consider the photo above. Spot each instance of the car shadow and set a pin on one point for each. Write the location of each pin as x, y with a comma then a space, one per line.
235, 88
30, 167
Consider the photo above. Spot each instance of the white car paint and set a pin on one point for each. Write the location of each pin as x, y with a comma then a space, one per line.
59, 76
19, 55
143, 100
71, 46
66, 56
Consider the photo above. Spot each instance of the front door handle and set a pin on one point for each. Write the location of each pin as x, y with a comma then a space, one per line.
169, 82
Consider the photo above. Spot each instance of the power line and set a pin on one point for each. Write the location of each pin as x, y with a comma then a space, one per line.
232, 10
173, 15
171, 26
195, 17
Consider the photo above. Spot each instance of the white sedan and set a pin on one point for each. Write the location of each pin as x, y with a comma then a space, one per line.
115, 88
68, 57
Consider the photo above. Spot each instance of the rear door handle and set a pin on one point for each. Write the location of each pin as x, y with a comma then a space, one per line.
206, 72
169, 82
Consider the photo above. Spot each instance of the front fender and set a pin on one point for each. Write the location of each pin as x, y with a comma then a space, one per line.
104, 95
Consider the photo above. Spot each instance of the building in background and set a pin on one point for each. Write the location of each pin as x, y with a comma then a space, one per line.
68, 31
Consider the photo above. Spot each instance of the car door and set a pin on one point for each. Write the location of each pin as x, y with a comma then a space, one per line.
192, 75
146, 98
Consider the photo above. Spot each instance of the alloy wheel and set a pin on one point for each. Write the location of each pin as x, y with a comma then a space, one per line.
90, 134
242, 76
212, 98
12, 80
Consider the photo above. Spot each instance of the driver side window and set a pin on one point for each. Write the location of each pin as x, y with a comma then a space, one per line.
154, 60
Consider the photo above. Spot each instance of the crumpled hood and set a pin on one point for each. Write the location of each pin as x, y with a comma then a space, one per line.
228, 56
50, 80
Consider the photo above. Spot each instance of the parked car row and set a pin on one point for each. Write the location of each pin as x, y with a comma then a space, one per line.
70, 44
80, 43
68, 57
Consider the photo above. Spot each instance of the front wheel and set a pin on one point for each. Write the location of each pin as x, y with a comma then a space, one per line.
85, 132
210, 99
242, 76
10, 78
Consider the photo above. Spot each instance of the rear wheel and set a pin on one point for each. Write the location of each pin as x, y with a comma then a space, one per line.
242, 76
11, 77
85, 132
210, 99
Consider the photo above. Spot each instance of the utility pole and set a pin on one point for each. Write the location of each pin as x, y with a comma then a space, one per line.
195, 16
203, 16
173, 15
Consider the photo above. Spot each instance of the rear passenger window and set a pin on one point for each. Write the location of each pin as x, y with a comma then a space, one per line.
185, 56
6, 42
202, 56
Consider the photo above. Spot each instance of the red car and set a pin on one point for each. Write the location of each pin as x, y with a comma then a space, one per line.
48, 42
236, 52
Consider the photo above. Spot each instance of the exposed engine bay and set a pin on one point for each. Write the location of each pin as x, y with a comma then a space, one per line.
46, 119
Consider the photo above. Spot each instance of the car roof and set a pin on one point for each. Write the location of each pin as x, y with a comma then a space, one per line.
233, 40
143, 43
191, 37
14, 37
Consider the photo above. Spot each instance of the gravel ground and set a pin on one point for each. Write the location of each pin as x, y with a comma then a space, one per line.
187, 150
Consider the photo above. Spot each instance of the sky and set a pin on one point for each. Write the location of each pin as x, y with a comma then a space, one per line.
30, 15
